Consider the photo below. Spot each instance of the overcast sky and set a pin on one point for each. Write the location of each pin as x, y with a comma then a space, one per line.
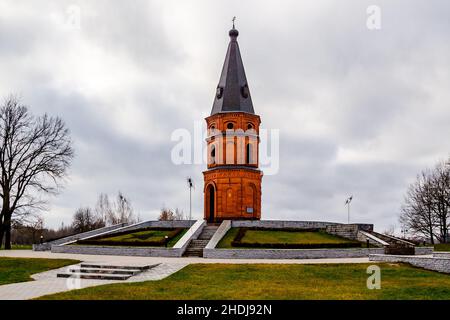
359, 111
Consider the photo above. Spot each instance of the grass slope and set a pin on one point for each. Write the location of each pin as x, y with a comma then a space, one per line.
271, 236
19, 247
14, 270
442, 247
142, 237
271, 281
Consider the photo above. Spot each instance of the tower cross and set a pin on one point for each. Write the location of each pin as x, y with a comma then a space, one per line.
234, 19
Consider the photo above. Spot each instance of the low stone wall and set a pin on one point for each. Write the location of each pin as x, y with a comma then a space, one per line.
118, 251
441, 254
363, 236
289, 253
190, 235
219, 234
176, 251
430, 263
281, 224
348, 231
154, 224
47, 245
423, 250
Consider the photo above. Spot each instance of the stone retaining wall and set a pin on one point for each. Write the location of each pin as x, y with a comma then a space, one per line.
47, 245
154, 224
190, 235
176, 251
430, 263
348, 231
118, 251
441, 254
289, 253
423, 250
219, 234
281, 224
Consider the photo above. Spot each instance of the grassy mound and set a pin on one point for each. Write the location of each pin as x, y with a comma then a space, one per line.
284, 239
148, 237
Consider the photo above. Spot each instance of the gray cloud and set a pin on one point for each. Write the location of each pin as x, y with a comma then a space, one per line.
359, 111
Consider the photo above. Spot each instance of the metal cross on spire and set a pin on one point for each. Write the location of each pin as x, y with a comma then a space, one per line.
234, 19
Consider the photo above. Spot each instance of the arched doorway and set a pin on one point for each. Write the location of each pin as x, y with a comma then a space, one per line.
210, 196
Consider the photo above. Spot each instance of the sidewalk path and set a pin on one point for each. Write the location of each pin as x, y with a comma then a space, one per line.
47, 282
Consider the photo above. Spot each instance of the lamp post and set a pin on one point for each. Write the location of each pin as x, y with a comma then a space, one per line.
404, 231
190, 186
166, 238
347, 203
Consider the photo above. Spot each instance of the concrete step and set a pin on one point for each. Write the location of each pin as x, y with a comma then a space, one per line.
97, 276
193, 253
106, 266
200, 241
106, 271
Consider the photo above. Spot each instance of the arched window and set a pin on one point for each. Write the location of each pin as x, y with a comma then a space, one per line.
250, 126
213, 154
248, 153
230, 126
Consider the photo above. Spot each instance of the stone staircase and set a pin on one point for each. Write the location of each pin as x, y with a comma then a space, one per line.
103, 272
195, 248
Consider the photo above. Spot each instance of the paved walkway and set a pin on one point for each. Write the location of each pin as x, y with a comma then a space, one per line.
47, 282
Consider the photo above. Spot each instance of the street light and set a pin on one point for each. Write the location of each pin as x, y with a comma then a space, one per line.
166, 240
404, 231
347, 203
190, 183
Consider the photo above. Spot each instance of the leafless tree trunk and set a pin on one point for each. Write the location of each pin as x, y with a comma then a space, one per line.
35, 153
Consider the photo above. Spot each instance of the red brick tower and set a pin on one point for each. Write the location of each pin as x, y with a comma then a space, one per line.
233, 181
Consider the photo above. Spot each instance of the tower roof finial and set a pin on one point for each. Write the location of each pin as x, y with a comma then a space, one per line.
233, 32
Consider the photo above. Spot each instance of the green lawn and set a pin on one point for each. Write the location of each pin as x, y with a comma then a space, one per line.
140, 238
442, 247
272, 281
14, 270
279, 236
291, 237
19, 247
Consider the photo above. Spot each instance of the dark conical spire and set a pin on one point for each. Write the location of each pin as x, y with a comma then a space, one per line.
232, 94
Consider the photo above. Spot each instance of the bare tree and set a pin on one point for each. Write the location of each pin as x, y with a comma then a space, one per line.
169, 215
166, 215
35, 153
124, 210
426, 208
179, 214
104, 209
85, 219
